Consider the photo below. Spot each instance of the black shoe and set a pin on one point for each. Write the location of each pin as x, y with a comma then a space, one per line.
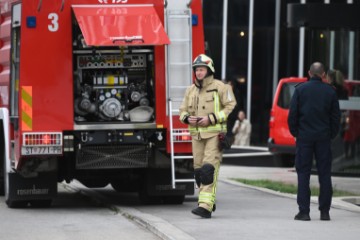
325, 216
214, 208
302, 216
202, 212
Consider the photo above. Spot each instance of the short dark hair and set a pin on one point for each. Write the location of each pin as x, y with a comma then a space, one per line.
317, 69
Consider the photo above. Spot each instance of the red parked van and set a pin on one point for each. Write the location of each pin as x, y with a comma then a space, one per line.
280, 140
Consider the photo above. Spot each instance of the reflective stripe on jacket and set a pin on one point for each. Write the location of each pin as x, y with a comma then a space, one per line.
213, 99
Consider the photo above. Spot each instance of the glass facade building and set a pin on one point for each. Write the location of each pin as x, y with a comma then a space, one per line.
277, 52
259, 40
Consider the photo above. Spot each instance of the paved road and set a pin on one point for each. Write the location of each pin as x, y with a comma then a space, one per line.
72, 216
242, 213
245, 213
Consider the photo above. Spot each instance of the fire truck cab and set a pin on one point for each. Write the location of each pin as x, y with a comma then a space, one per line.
88, 91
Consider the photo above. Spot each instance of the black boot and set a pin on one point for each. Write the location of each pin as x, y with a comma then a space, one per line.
325, 216
202, 212
214, 208
302, 216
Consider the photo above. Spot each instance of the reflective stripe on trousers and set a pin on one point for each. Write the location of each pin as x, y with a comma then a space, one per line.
206, 151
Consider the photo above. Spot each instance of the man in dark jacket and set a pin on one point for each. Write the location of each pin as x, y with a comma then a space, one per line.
314, 119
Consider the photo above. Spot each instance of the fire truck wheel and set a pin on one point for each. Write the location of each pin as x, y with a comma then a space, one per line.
2, 168
2, 188
122, 187
145, 198
2, 177
174, 199
94, 183
4, 181
11, 203
16, 204
45, 203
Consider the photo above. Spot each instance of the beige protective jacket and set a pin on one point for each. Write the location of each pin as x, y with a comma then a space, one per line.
213, 99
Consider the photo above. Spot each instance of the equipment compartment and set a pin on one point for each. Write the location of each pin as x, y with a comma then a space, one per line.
109, 82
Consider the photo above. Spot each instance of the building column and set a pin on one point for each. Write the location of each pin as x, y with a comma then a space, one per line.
250, 57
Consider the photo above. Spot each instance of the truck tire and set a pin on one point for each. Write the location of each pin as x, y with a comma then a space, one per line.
5, 180
44, 203
94, 183
9, 202
126, 185
2, 162
16, 204
122, 187
15, 182
146, 198
2, 172
179, 199
2, 188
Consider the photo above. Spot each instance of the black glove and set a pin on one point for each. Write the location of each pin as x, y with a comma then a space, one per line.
225, 141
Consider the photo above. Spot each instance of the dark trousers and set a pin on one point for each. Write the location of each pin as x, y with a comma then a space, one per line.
305, 150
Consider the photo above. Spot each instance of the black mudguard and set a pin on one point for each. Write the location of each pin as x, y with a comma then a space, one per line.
41, 187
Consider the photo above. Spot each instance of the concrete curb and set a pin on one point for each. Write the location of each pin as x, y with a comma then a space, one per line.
157, 226
337, 202
167, 231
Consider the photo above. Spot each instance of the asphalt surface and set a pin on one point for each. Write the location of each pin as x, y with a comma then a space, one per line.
71, 217
245, 212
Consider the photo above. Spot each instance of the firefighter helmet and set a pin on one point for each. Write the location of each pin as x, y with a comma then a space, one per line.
203, 61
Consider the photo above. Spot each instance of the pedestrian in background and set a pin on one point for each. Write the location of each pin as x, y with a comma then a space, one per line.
233, 116
242, 130
336, 79
206, 106
314, 119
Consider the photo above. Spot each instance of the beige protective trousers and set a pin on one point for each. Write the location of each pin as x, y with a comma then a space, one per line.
206, 151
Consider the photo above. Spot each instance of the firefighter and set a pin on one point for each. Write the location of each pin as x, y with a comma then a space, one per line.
205, 108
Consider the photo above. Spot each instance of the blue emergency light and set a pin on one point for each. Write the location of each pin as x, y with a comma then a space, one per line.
194, 19
31, 21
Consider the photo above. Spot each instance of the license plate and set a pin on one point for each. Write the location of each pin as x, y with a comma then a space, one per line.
50, 150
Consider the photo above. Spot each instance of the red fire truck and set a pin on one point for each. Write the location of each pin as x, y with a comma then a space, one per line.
88, 91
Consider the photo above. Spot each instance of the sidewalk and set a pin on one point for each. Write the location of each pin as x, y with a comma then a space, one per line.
243, 212
288, 175
249, 213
